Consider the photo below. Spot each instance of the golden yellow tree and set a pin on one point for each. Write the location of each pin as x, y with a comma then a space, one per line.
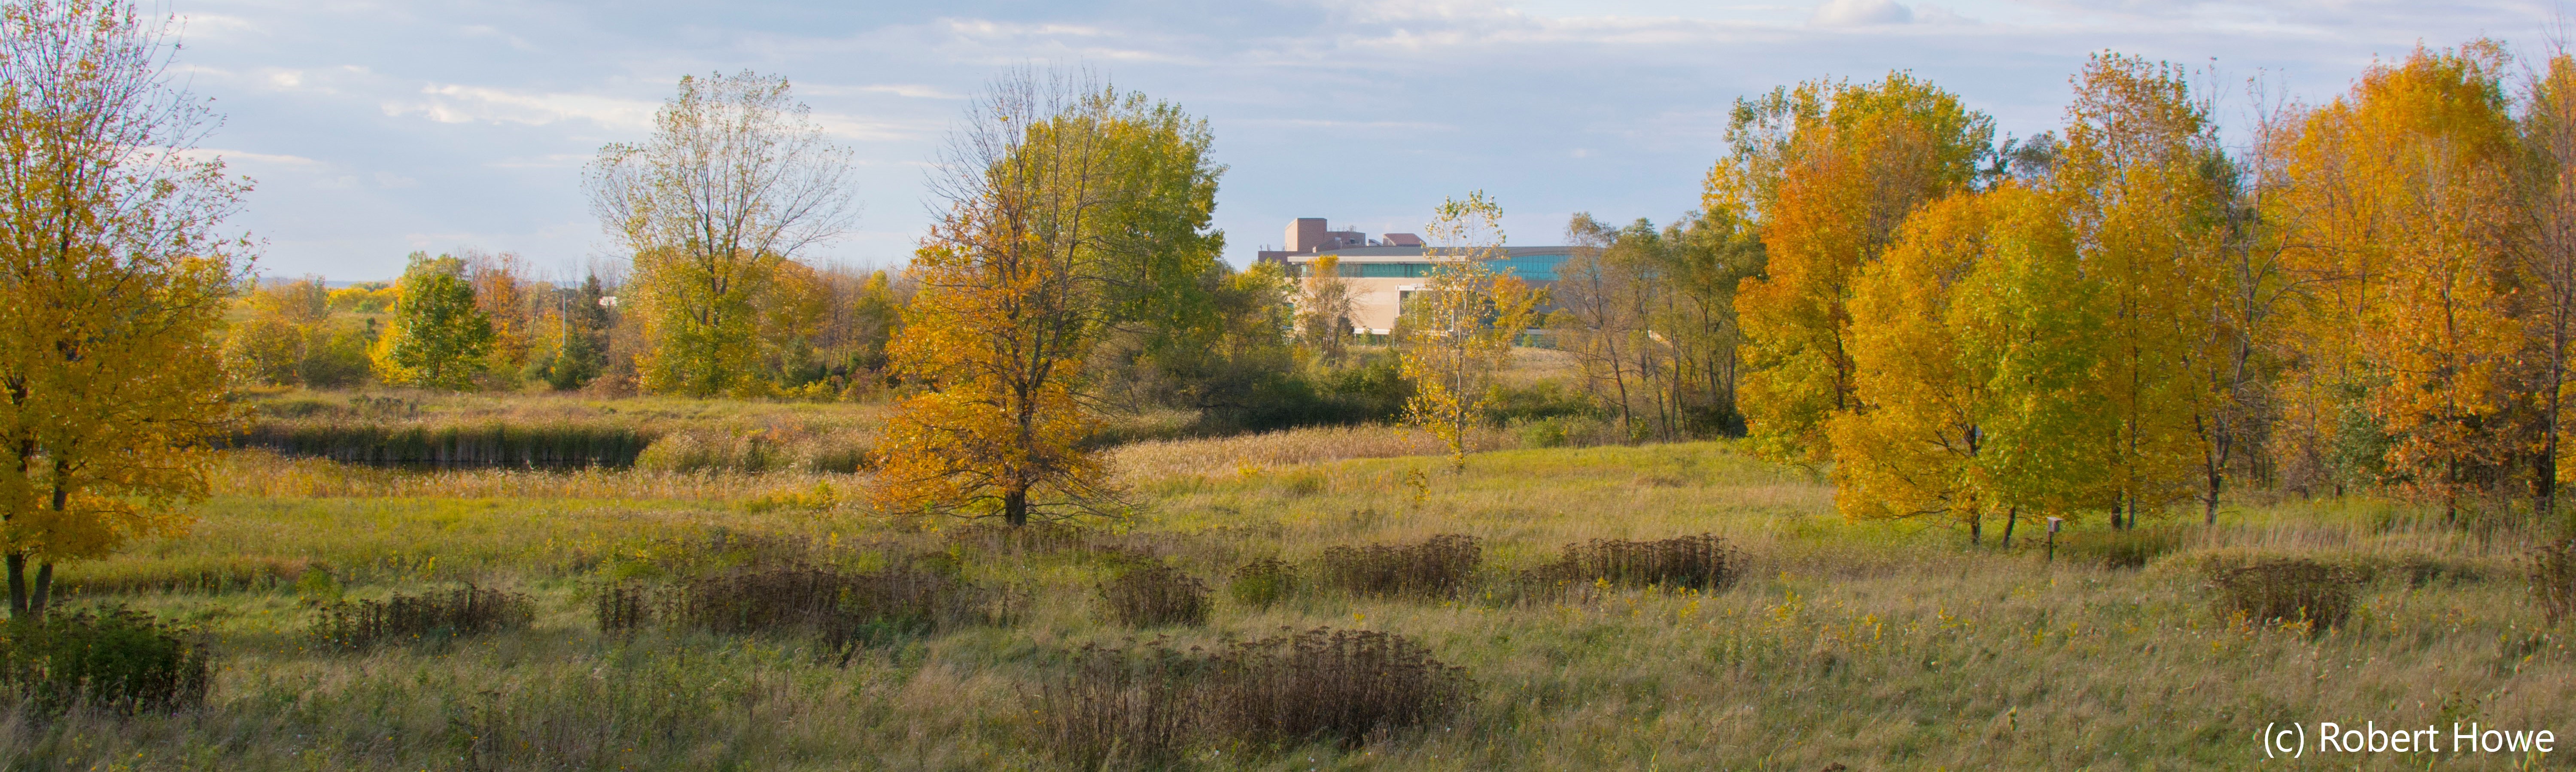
272, 343
2546, 263
1827, 170
1069, 206
2400, 193
1913, 446
1460, 327
1975, 344
114, 279
2139, 177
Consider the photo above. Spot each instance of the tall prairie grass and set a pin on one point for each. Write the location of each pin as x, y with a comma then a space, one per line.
1876, 645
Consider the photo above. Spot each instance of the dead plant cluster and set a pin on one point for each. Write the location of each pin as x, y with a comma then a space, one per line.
2285, 591
1155, 594
848, 609
1439, 566
1703, 562
1147, 705
432, 616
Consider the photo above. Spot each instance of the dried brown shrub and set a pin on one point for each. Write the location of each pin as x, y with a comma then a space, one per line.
1155, 594
1704, 561
2285, 590
435, 616
1122, 707
1347, 685
1439, 566
850, 610
1146, 705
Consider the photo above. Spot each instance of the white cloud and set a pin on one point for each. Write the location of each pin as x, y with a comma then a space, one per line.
1854, 13
472, 104
239, 156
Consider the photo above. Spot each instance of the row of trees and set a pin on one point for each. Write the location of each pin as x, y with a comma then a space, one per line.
479, 320
2127, 315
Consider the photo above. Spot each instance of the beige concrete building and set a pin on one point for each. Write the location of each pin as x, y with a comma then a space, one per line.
1384, 271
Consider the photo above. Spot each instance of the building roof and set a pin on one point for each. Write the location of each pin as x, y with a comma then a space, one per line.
1404, 254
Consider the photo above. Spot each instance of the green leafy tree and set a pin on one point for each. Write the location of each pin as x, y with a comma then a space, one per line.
736, 180
436, 337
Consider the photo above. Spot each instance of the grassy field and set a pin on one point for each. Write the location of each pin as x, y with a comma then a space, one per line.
1870, 646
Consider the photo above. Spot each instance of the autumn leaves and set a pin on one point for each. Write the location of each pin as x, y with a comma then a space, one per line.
2132, 316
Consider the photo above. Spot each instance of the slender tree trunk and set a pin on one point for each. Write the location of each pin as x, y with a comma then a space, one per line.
37, 600
18, 585
2011, 517
1976, 530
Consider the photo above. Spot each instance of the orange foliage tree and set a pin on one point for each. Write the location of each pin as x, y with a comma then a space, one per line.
2403, 209
1826, 171
1071, 209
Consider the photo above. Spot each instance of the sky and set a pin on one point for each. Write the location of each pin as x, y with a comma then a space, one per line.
373, 128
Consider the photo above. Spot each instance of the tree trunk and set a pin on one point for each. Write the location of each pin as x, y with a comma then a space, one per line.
2011, 517
18, 585
1976, 530
1015, 507
37, 600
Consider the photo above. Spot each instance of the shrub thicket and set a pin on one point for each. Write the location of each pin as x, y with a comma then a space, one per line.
2285, 590
111, 658
472, 444
1441, 565
434, 616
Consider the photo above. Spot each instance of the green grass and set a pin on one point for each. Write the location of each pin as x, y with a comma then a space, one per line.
1873, 645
